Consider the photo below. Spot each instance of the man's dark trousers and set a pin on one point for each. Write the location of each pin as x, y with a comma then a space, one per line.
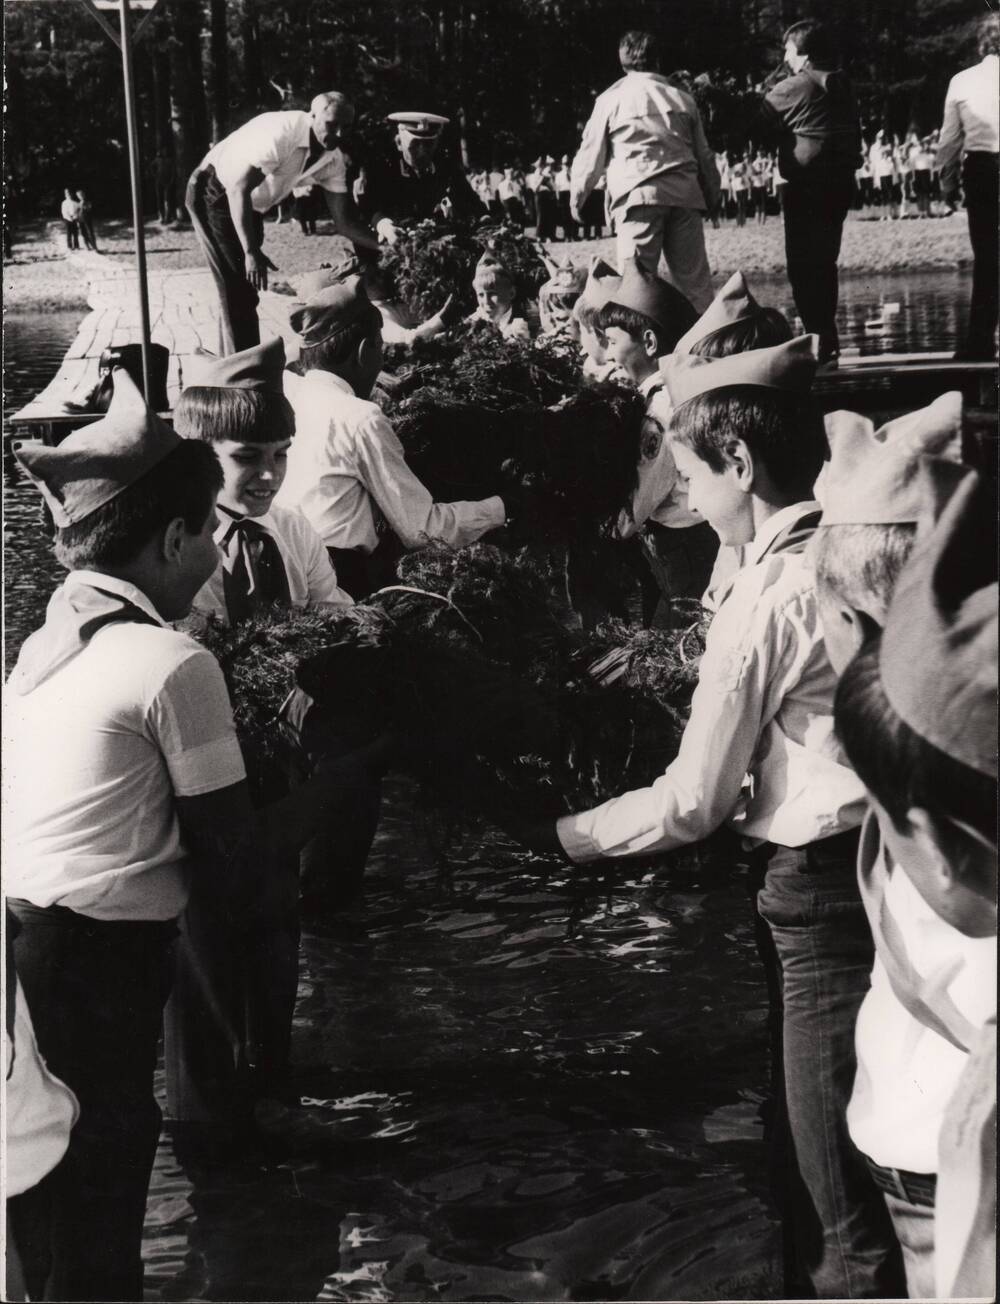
96, 991
815, 209
208, 205
980, 173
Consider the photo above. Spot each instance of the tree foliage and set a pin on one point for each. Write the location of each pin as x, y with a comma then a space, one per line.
517, 77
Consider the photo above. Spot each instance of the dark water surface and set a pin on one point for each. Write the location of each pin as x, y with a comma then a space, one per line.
541, 1087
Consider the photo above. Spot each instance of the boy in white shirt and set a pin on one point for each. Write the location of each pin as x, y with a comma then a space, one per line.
759, 756
347, 472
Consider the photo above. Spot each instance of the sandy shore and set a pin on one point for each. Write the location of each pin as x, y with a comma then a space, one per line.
40, 275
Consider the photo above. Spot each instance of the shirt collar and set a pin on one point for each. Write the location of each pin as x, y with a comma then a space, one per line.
226, 519
653, 381
327, 380
773, 526
112, 584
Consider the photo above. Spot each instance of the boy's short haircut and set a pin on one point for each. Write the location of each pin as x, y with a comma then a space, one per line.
861, 563
586, 314
338, 351
634, 323
782, 428
763, 330
248, 416
488, 277
184, 484
898, 767
639, 51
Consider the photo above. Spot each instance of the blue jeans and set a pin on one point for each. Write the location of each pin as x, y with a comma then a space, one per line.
823, 954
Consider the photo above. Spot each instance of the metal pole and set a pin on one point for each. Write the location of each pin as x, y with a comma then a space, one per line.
136, 180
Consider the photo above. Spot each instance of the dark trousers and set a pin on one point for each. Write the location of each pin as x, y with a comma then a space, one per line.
546, 212
571, 230
980, 183
228, 1024
820, 969
679, 565
72, 230
96, 991
208, 206
814, 223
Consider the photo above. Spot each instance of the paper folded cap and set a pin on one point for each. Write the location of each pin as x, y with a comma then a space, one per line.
98, 462
789, 366
602, 282
260, 367
878, 477
332, 311
654, 298
733, 303
565, 278
425, 126
938, 657
310, 283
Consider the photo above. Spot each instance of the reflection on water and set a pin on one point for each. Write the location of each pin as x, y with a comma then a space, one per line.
540, 1086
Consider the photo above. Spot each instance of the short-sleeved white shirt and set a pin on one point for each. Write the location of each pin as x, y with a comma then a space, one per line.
94, 758
277, 144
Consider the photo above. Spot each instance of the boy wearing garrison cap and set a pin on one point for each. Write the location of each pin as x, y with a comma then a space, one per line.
642, 322
759, 756
268, 554
916, 709
347, 472
602, 281
122, 767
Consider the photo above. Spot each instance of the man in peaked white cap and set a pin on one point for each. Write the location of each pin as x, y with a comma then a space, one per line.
412, 185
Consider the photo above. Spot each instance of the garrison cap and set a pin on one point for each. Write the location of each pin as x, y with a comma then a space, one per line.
654, 298
602, 282
790, 367
260, 367
938, 656
332, 311
877, 477
425, 126
733, 303
565, 278
310, 283
489, 267
96, 463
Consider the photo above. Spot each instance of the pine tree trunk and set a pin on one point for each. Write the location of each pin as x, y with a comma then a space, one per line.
187, 92
253, 77
217, 71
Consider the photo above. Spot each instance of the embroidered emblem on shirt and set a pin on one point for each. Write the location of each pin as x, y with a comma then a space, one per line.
652, 439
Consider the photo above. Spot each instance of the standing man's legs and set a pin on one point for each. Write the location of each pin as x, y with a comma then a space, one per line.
209, 209
640, 235
980, 181
684, 251
96, 991
811, 905
814, 224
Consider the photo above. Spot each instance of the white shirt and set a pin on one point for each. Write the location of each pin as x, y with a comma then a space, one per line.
907, 1072
70, 210
278, 145
759, 751
95, 756
308, 569
971, 113
509, 188
660, 494
880, 158
347, 470
39, 1110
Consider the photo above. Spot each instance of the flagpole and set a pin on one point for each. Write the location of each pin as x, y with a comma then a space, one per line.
136, 180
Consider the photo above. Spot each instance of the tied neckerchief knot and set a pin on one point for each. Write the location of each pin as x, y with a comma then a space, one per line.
253, 571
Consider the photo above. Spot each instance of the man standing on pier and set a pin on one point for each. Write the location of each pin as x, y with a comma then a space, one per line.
248, 173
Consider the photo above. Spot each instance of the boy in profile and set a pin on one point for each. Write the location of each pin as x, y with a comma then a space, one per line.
122, 768
759, 756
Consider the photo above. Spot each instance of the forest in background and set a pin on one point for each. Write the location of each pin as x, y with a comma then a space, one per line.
517, 77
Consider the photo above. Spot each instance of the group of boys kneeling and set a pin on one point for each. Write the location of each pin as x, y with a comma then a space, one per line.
843, 728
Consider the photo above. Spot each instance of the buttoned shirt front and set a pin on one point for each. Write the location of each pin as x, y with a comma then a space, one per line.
971, 121
648, 137
907, 1072
96, 754
759, 751
347, 472
277, 144
308, 569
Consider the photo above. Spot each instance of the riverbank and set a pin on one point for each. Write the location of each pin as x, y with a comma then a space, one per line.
42, 276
